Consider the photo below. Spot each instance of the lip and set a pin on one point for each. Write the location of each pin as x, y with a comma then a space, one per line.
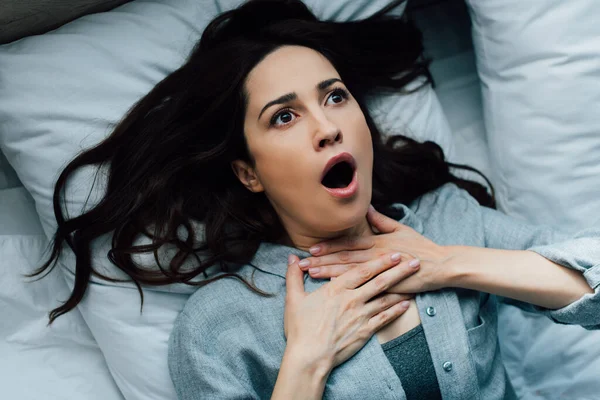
345, 156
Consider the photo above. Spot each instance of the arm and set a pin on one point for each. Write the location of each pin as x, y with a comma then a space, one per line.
521, 275
298, 379
546, 270
209, 351
326, 327
201, 368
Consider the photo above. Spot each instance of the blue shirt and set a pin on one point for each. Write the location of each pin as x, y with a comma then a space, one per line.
228, 342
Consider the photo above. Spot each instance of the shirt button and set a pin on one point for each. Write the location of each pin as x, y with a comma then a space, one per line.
447, 366
431, 311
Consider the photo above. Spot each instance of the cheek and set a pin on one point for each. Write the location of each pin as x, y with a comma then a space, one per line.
356, 125
281, 169
363, 145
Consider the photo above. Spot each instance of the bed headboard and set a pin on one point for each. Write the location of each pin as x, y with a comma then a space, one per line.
20, 18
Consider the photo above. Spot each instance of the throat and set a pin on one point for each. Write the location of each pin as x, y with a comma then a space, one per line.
305, 242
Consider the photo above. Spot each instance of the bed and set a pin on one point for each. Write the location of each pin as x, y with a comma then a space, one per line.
517, 92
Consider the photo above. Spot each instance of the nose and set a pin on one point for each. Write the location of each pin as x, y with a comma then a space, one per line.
327, 133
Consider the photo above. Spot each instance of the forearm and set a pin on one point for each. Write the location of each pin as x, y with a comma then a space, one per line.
521, 275
299, 379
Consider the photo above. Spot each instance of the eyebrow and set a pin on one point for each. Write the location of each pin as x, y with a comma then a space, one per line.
286, 98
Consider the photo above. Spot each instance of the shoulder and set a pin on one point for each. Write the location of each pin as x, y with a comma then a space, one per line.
443, 205
445, 198
211, 306
450, 215
214, 348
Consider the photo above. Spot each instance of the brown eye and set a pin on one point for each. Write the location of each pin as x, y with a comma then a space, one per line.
338, 96
282, 118
286, 117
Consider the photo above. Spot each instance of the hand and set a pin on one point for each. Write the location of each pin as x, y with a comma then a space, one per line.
335, 257
329, 325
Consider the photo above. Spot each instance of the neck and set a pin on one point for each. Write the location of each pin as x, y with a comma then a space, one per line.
305, 242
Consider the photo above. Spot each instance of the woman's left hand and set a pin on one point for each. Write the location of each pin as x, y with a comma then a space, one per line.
334, 257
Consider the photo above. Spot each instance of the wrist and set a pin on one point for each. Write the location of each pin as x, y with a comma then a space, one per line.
300, 377
455, 267
315, 368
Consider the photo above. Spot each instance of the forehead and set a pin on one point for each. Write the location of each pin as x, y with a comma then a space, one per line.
288, 69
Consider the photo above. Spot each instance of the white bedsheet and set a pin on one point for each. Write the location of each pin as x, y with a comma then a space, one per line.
17, 213
459, 93
8, 176
447, 40
61, 362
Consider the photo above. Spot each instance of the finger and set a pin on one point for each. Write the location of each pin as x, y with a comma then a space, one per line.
387, 279
383, 318
335, 270
294, 279
384, 302
331, 271
383, 223
341, 257
345, 243
364, 272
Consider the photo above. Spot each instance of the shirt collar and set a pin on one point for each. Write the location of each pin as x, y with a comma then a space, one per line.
272, 257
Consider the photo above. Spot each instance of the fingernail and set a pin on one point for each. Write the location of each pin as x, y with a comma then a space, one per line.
371, 208
396, 256
290, 259
314, 271
414, 263
315, 250
304, 263
405, 304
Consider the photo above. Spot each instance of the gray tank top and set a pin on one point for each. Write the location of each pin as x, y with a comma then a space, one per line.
410, 357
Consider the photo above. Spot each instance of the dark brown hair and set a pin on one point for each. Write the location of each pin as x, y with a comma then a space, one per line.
169, 159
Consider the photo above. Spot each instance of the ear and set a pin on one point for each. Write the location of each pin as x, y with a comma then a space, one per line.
246, 174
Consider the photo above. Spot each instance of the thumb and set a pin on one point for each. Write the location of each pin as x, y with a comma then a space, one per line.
383, 223
294, 279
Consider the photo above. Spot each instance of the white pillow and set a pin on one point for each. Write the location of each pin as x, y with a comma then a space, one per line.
540, 72
539, 63
65, 90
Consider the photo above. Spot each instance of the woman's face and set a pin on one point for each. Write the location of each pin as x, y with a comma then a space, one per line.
300, 115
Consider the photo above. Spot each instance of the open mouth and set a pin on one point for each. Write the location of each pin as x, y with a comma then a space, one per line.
339, 176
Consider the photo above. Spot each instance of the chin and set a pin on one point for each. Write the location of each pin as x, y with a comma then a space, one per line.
348, 215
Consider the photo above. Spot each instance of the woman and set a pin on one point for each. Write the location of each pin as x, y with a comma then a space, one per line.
263, 136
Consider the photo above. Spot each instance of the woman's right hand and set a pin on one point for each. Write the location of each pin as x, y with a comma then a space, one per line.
328, 326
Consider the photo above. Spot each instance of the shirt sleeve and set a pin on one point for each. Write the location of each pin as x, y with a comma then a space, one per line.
579, 251
200, 369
